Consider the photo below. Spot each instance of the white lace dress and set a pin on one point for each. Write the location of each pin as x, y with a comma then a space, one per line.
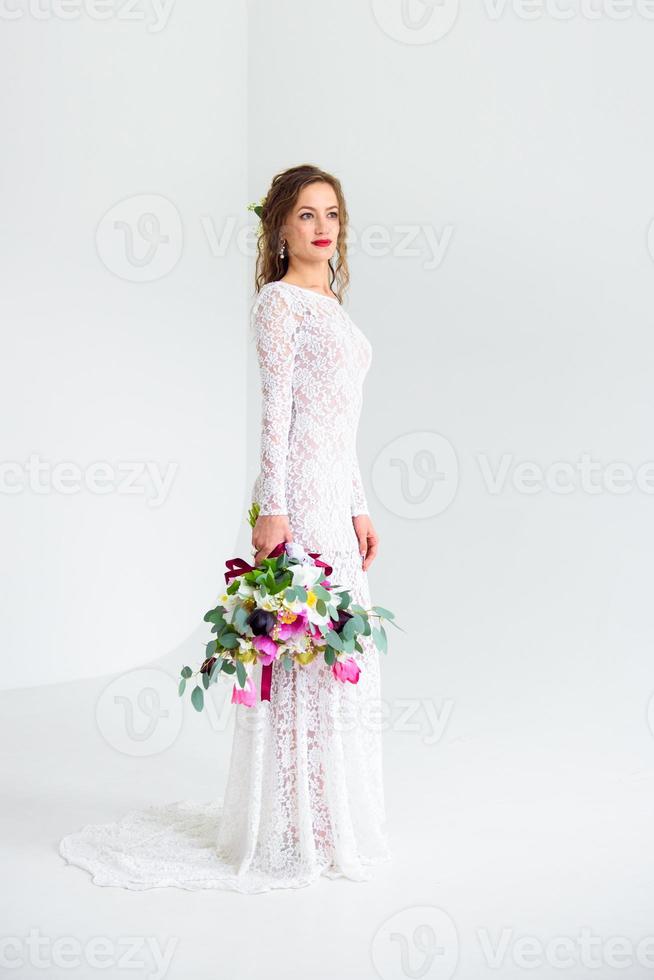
304, 794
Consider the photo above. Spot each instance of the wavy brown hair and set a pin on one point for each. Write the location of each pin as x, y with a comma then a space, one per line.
280, 199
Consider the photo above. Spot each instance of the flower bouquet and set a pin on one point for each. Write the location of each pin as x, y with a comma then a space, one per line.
284, 609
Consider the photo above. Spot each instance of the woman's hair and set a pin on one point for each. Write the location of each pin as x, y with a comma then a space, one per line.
280, 199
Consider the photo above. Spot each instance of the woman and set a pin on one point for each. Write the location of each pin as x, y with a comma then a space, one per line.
304, 794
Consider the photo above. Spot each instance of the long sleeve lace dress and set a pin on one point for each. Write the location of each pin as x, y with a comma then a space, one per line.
304, 794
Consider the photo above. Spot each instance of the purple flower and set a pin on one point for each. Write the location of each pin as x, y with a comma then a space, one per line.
343, 616
261, 622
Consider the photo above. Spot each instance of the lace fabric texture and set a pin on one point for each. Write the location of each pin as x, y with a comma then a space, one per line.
304, 794
312, 360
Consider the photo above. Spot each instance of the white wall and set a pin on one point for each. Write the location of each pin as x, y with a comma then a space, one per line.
507, 158
123, 343
524, 148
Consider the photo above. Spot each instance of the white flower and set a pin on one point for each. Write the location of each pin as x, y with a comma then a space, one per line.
230, 602
295, 551
306, 575
314, 617
269, 602
297, 643
245, 589
295, 605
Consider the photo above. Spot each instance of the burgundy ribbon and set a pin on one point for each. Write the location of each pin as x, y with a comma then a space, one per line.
238, 566
266, 681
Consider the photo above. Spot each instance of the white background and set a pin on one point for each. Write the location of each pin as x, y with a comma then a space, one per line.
98, 367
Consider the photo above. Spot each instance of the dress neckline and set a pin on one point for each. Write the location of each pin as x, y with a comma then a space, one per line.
305, 289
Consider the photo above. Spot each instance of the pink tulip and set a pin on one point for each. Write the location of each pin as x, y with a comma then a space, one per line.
298, 625
346, 670
244, 695
266, 647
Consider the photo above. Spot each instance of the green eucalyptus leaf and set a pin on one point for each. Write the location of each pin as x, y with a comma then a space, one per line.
348, 630
228, 640
379, 637
358, 623
334, 639
240, 618
386, 613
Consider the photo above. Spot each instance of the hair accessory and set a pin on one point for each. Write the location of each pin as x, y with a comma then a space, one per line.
257, 208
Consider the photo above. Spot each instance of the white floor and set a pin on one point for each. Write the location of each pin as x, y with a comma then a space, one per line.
515, 835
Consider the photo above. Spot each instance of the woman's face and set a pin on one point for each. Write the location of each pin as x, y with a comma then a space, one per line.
311, 228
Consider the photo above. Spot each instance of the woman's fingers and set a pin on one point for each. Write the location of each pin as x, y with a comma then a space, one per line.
268, 531
367, 539
371, 550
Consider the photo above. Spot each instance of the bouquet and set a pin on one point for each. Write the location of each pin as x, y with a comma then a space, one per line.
284, 609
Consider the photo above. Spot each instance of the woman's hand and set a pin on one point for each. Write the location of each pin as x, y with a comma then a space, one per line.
268, 531
367, 538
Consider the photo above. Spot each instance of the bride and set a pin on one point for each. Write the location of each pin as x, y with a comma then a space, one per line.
304, 794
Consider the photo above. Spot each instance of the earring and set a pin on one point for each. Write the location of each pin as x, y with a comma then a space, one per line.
282, 251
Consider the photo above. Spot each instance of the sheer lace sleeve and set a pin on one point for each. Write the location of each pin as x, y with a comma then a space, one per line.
275, 333
358, 502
